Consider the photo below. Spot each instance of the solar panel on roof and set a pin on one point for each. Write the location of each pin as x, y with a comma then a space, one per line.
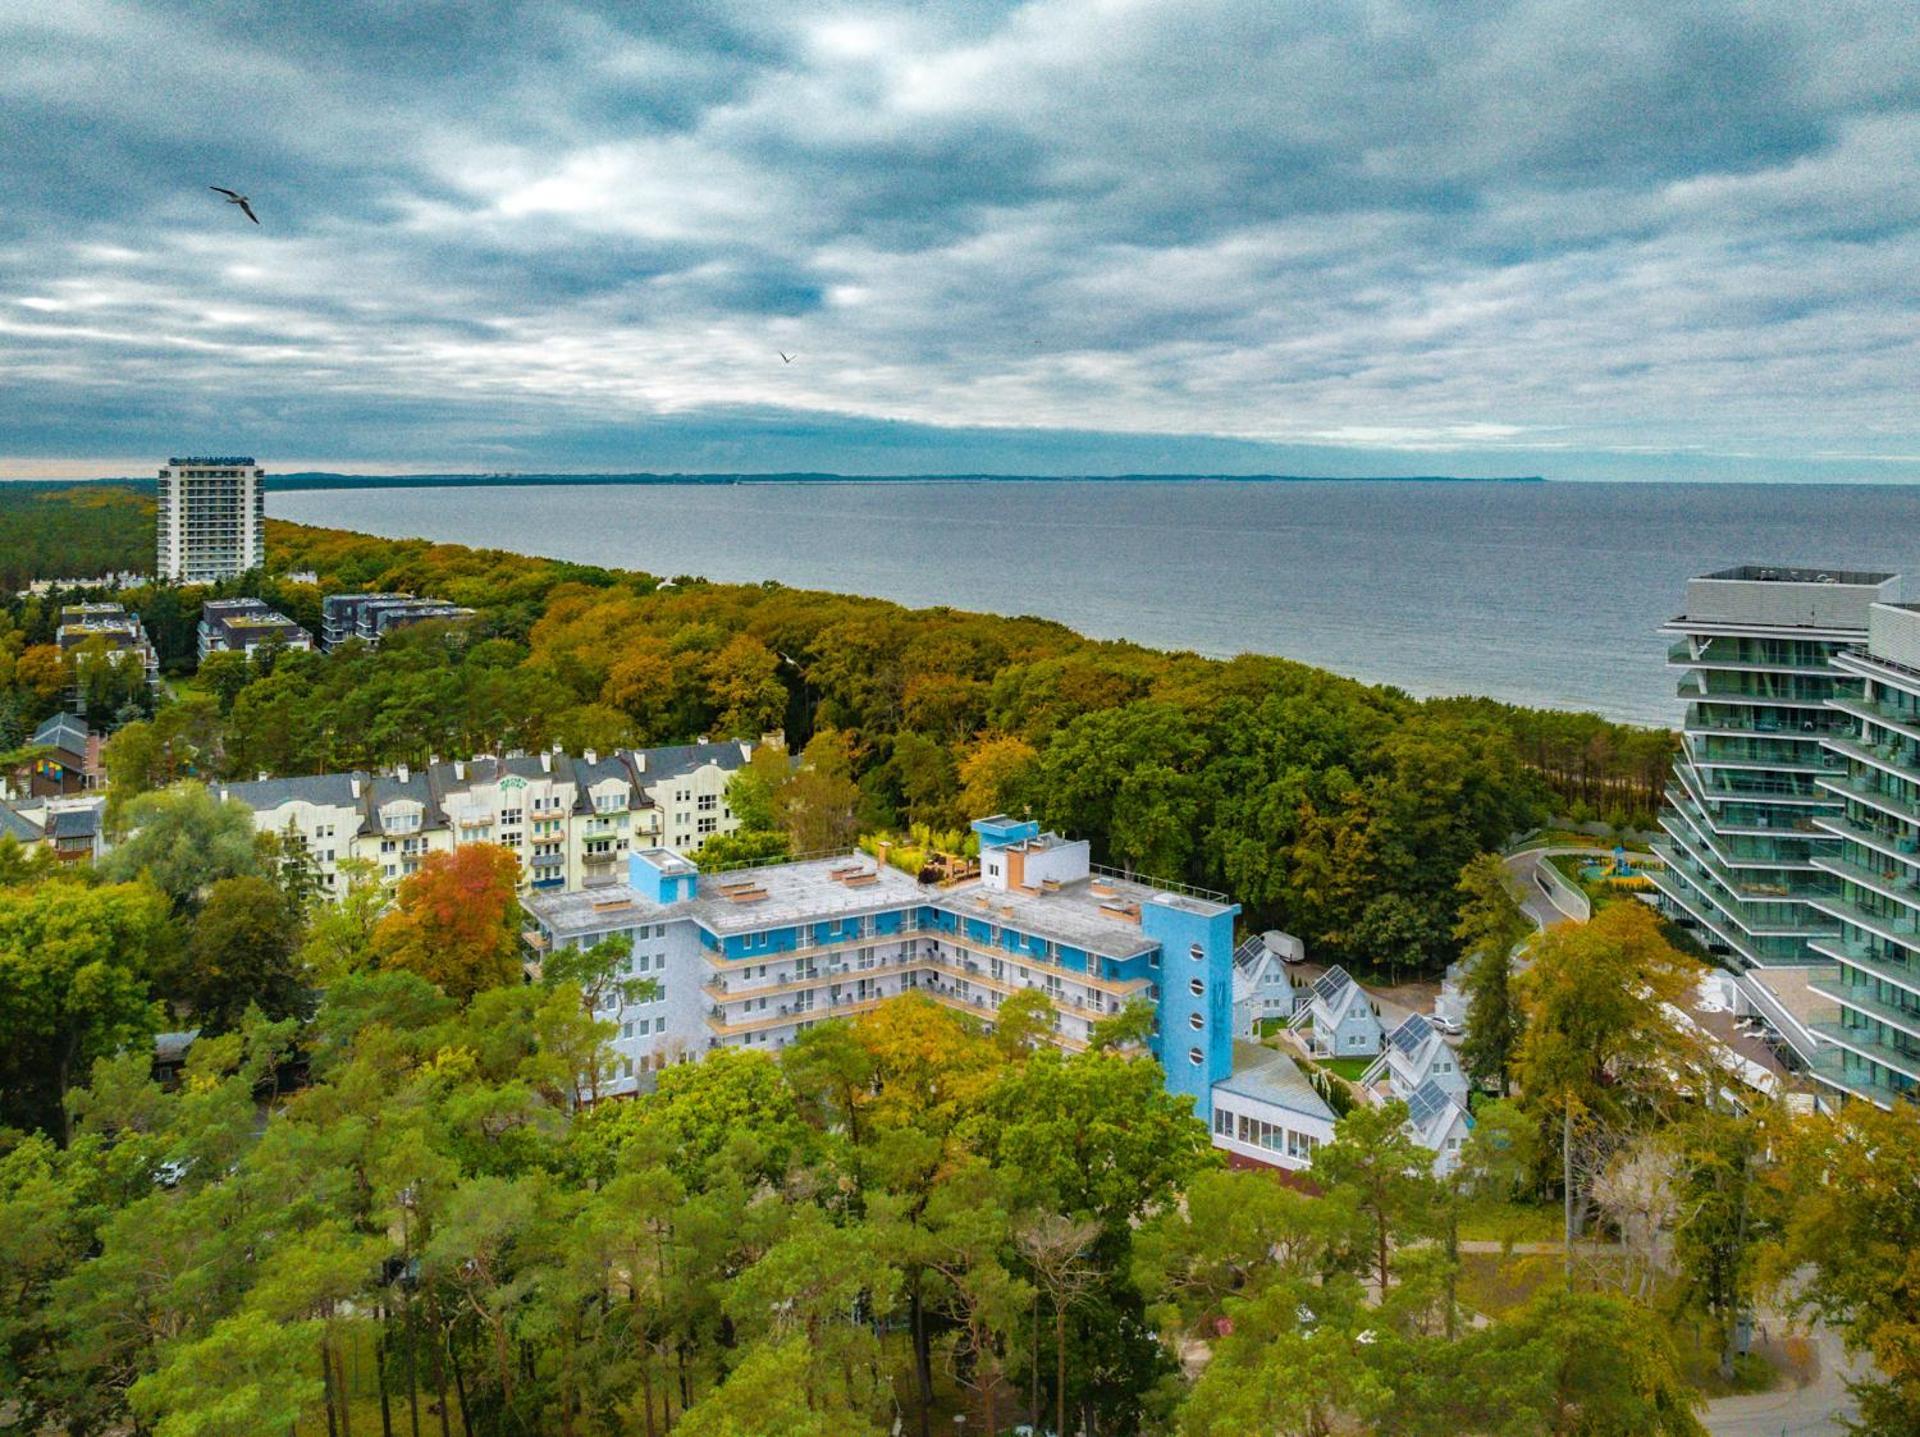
1428, 1100
1248, 953
1411, 1035
1331, 984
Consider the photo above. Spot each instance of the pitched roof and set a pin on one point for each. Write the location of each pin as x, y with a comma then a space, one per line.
67, 732
1249, 953
1332, 985
1269, 1076
74, 822
1412, 1034
19, 825
656, 765
1428, 1102
333, 790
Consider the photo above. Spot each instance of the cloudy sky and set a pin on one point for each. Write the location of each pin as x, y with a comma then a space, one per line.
1632, 240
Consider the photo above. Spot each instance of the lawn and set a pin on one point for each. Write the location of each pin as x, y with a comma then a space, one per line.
1348, 1068
1489, 1220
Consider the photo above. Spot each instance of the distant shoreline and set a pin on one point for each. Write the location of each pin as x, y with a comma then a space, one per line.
290, 483
285, 483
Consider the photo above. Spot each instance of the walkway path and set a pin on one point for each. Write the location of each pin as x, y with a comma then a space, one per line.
1817, 1410
1544, 895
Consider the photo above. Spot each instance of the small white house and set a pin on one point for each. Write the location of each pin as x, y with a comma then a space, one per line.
1439, 1123
1262, 988
1416, 1054
1342, 1016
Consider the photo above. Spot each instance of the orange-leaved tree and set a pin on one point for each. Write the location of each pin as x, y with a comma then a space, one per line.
456, 923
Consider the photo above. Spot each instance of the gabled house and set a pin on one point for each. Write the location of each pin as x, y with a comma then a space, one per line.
68, 760
1342, 1017
1438, 1121
1415, 1054
1262, 988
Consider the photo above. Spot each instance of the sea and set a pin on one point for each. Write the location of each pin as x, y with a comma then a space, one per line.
1548, 594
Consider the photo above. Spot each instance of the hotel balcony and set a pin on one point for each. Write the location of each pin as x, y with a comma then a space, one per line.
1830, 1069
1719, 654
1903, 929
727, 989
1892, 881
1847, 995
1858, 955
1862, 1042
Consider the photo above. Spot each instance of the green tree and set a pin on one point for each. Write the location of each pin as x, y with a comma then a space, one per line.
246, 1377
186, 840
1374, 1163
75, 966
241, 955
1491, 926
1854, 1233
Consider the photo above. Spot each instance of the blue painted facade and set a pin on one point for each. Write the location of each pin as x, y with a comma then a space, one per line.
1196, 951
660, 876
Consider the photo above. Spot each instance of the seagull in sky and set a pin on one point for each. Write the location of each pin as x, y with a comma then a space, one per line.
785, 358
240, 200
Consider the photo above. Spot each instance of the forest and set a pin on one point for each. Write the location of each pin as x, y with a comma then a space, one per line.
378, 1195
1332, 809
376, 1191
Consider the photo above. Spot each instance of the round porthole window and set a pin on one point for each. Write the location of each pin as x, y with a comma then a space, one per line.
1196, 1057
1198, 987
1197, 953
1196, 1022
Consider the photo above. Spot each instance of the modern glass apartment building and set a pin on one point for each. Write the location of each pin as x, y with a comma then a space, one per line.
1871, 893
1755, 650
212, 519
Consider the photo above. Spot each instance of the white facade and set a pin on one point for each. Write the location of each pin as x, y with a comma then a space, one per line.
1268, 1113
212, 519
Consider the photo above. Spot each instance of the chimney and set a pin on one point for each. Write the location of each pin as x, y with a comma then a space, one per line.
263, 775
546, 762
639, 757
400, 772
592, 757
460, 770
355, 783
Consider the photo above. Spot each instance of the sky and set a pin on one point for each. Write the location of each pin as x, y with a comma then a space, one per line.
1632, 240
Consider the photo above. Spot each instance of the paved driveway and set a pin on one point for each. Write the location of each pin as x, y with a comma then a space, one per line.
1816, 1410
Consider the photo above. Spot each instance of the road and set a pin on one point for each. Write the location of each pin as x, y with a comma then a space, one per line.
1540, 899
1816, 1410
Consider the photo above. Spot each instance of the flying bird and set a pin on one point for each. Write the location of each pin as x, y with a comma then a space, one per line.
785, 358
240, 200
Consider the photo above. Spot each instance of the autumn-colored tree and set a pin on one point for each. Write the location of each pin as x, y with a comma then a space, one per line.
43, 671
456, 921
994, 775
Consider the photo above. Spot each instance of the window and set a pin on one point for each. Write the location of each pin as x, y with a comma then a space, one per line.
708, 824
709, 802
1196, 1057
1153, 959
1196, 1022
1197, 953
626, 1030
1198, 988
659, 1025
1223, 1122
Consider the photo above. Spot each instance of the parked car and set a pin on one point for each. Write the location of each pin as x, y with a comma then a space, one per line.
1450, 1026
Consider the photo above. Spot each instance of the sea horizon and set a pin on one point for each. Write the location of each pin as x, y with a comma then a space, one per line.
1544, 594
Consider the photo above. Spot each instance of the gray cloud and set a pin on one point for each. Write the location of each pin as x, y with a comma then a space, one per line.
1189, 233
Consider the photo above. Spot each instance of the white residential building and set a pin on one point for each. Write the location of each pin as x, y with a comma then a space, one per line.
571, 821
1416, 1054
212, 519
1342, 1016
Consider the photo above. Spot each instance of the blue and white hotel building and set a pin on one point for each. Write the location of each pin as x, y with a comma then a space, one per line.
752, 958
